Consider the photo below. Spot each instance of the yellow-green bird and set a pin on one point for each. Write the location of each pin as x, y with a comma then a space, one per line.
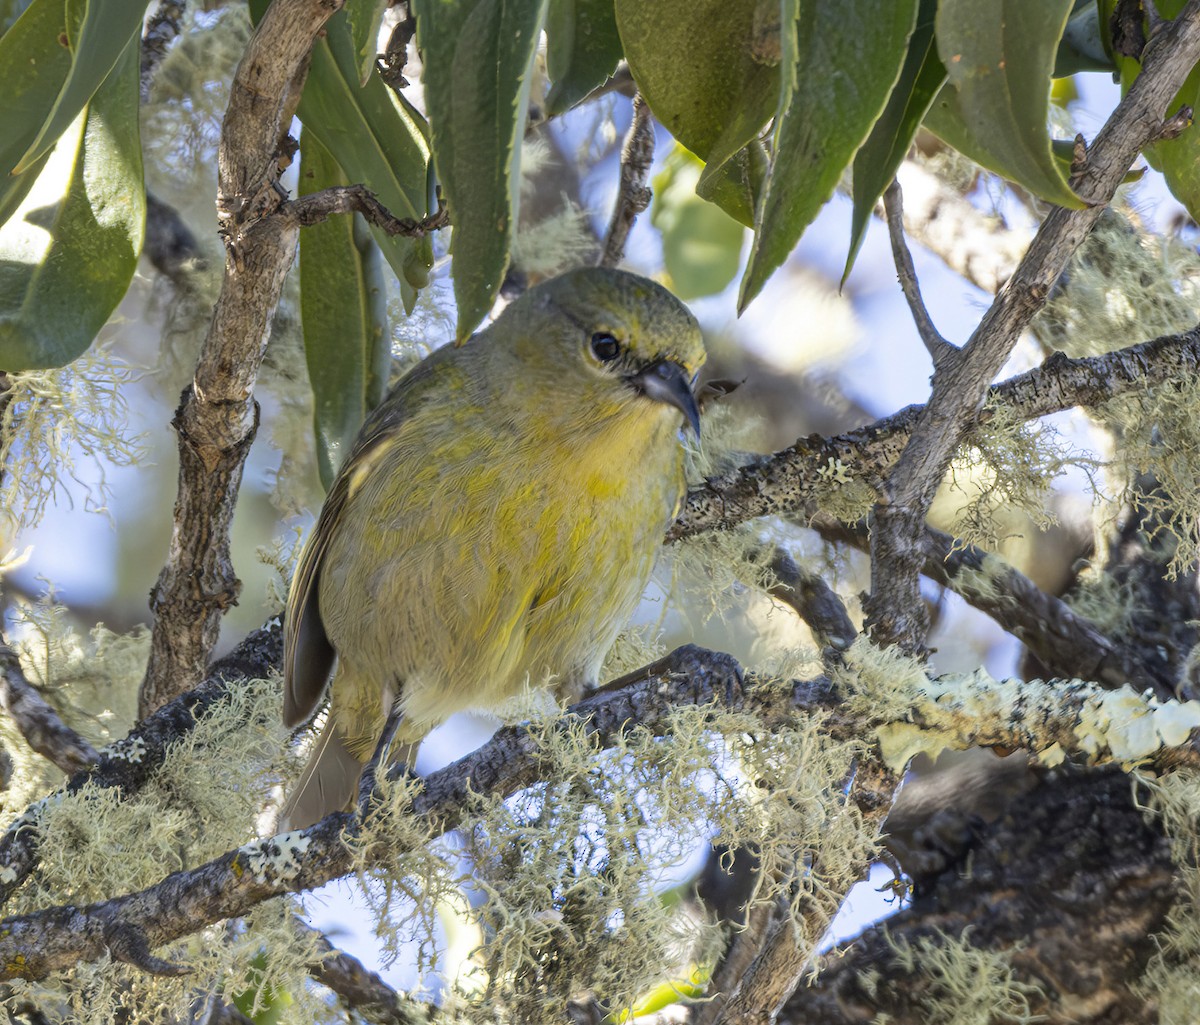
495, 522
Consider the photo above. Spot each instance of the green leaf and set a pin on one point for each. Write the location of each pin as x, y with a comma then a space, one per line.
67, 257
841, 59
34, 64
878, 159
999, 56
1085, 45
364, 18
15, 188
1178, 159
582, 50
702, 245
478, 58
708, 69
93, 34
343, 312
376, 136
735, 184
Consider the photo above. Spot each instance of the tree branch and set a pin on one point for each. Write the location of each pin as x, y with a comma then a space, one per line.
1023, 716
939, 349
797, 478
346, 199
360, 989
633, 194
1067, 644
132, 761
217, 416
895, 612
37, 721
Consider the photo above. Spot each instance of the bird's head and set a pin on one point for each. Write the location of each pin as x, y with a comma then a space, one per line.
619, 338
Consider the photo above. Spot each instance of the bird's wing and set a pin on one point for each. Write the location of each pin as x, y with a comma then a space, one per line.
308, 654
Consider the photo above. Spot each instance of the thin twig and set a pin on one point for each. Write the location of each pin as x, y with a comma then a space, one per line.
37, 721
633, 195
939, 349
344, 199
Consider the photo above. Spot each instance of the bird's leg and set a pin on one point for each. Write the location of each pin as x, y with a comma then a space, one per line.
366, 782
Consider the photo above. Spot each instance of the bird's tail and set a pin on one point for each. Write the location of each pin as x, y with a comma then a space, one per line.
328, 783
330, 779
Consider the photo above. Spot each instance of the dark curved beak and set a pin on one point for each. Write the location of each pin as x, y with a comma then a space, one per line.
668, 382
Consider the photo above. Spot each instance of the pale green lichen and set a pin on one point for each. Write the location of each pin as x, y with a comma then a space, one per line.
1102, 599
52, 421
98, 843
1160, 436
969, 985
1001, 480
1172, 977
1122, 286
919, 714
90, 680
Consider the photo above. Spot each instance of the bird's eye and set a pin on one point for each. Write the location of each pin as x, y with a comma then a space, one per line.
605, 347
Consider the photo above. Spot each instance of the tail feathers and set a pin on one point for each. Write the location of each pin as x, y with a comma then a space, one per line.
328, 783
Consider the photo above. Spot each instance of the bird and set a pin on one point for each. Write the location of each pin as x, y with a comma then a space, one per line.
494, 524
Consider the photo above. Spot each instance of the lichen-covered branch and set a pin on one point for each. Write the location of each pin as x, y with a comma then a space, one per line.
217, 416
132, 761
38, 722
1054, 905
882, 695
1065, 642
797, 479
895, 612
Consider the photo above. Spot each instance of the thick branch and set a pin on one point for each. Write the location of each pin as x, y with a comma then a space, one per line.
37, 722
895, 610
796, 478
217, 416
1029, 717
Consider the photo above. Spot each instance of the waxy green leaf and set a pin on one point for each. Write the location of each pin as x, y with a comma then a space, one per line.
999, 57
582, 50
825, 113
478, 58
51, 62
710, 72
702, 245
343, 312
878, 159
377, 137
68, 254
